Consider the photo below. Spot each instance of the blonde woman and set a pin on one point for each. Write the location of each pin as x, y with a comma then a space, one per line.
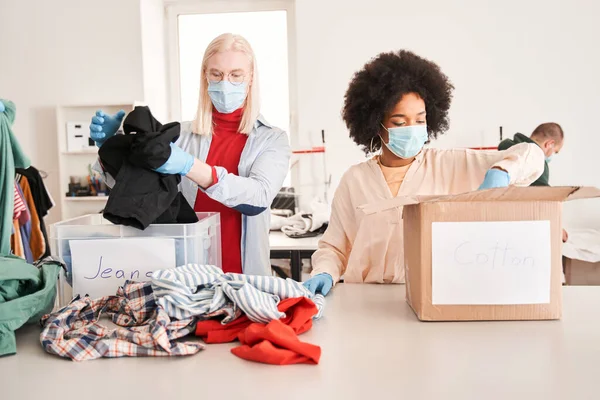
235, 162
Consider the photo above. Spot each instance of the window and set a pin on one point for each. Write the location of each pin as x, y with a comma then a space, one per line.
267, 33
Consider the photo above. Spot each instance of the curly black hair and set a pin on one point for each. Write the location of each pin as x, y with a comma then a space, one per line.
376, 89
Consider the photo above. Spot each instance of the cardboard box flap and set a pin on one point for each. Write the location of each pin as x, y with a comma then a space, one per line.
517, 193
584, 192
372, 208
511, 193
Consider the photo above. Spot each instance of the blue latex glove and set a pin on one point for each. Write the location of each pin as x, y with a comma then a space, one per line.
321, 283
179, 162
2, 108
104, 126
495, 178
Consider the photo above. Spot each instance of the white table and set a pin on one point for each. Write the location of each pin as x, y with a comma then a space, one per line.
373, 348
295, 250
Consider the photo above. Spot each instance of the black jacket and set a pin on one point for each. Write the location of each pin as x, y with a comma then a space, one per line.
142, 196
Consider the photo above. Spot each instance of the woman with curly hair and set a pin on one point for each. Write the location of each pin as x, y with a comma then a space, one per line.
397, 103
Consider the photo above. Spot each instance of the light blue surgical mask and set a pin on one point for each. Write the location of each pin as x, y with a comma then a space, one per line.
406, 141
548, 159
227, 97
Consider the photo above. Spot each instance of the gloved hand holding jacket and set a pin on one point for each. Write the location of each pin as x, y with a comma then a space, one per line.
104, 126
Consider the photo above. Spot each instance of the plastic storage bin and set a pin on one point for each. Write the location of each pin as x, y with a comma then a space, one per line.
193, 243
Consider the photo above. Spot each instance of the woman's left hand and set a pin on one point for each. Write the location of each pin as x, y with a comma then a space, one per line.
179, 162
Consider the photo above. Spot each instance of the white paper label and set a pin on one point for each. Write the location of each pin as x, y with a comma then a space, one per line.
491, 262
101, 266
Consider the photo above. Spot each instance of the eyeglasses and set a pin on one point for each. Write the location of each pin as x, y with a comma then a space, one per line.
235, 77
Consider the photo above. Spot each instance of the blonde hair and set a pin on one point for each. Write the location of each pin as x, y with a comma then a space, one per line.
203, 123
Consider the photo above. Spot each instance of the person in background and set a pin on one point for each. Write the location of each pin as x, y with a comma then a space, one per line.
550, 137
397, 103
234, 160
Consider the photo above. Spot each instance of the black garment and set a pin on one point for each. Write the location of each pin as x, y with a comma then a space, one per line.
544, 179
142, 196
41, 200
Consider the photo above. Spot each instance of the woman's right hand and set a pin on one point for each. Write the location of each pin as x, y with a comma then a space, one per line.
104, 126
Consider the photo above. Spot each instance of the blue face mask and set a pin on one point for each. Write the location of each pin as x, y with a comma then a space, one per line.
406, 141
548, 159
227, 97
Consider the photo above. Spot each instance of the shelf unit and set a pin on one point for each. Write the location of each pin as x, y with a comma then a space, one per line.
78, 153
87, 198
75, 163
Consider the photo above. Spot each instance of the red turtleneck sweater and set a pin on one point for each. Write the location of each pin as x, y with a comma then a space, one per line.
225, 151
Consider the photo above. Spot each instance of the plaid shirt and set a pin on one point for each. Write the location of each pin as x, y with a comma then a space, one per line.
145, 328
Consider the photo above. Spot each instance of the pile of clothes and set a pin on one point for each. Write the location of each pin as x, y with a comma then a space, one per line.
264, 313
304, 224
583, 244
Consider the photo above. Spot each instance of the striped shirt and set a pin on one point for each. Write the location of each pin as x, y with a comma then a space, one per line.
206, 291
19, 207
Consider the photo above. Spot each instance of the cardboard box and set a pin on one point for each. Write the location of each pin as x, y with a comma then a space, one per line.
579, 272
485, 255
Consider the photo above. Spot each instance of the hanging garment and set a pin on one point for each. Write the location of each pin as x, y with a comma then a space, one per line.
26, 293
42, 200
16, 240
273, 343
25, 230
145, 329
140, 195
25, 239
11, 156
20, 212
36, 240
204, 291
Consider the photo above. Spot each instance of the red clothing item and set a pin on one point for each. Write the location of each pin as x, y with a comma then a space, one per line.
213, 331
225, 151
274, 343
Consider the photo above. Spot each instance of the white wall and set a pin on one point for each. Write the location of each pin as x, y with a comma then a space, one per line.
72, 52
54, 53
152, 16
513, 63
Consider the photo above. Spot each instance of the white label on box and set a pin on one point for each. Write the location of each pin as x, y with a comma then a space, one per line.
491, 262
101, 266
